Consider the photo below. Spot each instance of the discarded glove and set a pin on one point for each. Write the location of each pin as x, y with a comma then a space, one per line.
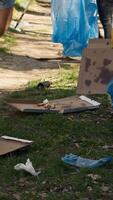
78, 161
28, 167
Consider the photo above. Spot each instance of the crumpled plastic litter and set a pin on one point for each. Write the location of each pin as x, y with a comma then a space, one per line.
78, 161
28, 167
110, 90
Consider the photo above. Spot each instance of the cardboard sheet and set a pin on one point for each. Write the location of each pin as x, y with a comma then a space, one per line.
96, 71
10, 144
99, 43
64, 105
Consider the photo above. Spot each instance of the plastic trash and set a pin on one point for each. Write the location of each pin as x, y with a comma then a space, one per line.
45, 101
28, 167
74, 23
110, 90
84, 162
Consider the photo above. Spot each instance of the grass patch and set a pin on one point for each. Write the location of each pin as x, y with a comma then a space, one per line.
4, 50
55, 135
7, 41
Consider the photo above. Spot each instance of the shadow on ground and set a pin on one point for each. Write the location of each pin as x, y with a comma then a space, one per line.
24, 63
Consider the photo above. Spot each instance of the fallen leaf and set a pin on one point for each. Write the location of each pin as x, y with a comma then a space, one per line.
70, 118
16, 196
94, 177
26, 192
43, 195
77, 145
95, 182
44, 182
104, 188
107, 147
22, 184
89, 188
33, 193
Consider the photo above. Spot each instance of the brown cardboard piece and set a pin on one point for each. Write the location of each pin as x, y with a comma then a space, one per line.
10, 144
99, 43
96, 70
64, 105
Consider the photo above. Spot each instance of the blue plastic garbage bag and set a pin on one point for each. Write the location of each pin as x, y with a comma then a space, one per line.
110, 90
74, 23
84, 162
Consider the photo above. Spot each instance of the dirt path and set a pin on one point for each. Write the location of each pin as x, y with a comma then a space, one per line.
24, 63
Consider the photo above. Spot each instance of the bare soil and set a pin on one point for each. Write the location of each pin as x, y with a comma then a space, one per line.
34, 56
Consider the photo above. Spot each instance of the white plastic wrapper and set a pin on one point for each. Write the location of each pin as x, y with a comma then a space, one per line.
45, 101
28, 167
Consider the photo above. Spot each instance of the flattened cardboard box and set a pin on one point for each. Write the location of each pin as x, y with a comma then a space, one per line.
10, 144
64, 105
96, 71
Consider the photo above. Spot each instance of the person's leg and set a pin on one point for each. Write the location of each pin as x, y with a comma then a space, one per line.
5, 19
6, 10
105, 9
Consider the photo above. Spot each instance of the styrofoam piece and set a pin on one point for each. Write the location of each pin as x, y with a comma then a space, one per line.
93, 102
16, 139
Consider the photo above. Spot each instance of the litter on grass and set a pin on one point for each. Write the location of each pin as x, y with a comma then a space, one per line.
11, 144
64, 105
45, 101
78, 161
93, 102
28, 167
